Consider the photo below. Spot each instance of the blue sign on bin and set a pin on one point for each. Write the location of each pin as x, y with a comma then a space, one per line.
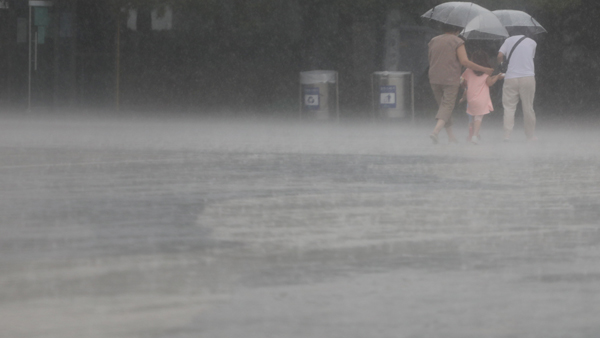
311, 98
387, 96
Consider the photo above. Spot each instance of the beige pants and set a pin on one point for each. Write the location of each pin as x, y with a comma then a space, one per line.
522, 88
445, 95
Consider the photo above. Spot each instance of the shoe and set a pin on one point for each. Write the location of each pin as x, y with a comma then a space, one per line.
475, 139
434, 138
453, 140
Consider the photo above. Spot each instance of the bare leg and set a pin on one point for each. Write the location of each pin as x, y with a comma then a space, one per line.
438, 127
470, 131
434, 135
476, 127
445, 96
451, 137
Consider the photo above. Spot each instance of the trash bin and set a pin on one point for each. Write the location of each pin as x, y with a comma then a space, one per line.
319, 94
393, 94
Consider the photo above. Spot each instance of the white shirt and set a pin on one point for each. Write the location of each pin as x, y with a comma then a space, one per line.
521, 62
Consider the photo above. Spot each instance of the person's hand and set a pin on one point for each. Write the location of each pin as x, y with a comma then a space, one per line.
501, 76
489, 71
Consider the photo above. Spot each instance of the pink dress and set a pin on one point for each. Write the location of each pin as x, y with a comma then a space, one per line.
478, 94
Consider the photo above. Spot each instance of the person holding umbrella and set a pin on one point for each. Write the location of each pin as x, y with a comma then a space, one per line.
447, 56
519, 83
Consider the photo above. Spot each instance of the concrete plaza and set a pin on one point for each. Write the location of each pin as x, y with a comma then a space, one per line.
255, 228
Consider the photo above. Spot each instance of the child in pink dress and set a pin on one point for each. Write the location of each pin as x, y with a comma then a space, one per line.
477, 91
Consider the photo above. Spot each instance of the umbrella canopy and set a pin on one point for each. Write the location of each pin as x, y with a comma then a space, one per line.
519, 22
485, 26
454, 13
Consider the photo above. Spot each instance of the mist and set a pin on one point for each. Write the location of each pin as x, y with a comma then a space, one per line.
214, 227
163, 174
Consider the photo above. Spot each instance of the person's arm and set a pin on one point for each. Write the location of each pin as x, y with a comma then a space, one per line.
500, 57
491, 80
463, 85
464, 95
461, 52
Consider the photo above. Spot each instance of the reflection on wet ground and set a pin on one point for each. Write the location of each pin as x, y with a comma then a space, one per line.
215, 228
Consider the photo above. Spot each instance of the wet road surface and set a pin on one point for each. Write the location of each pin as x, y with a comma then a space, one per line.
184, 227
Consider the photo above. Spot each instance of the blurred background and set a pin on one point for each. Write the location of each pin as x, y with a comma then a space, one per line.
218, 56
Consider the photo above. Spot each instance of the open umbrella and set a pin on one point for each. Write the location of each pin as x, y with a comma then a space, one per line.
519, 22
485, 26
454, 13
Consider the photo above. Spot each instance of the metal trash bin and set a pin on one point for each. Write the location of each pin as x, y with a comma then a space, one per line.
393, 94
319, 94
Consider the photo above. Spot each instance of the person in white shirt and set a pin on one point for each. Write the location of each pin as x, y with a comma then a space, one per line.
519, 84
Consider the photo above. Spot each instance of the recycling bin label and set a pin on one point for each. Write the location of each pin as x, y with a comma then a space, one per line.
387, 97
311, 98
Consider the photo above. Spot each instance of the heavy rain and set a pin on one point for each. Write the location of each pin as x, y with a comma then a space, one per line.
265, 169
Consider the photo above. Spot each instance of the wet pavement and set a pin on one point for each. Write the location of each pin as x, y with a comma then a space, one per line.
189, 227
